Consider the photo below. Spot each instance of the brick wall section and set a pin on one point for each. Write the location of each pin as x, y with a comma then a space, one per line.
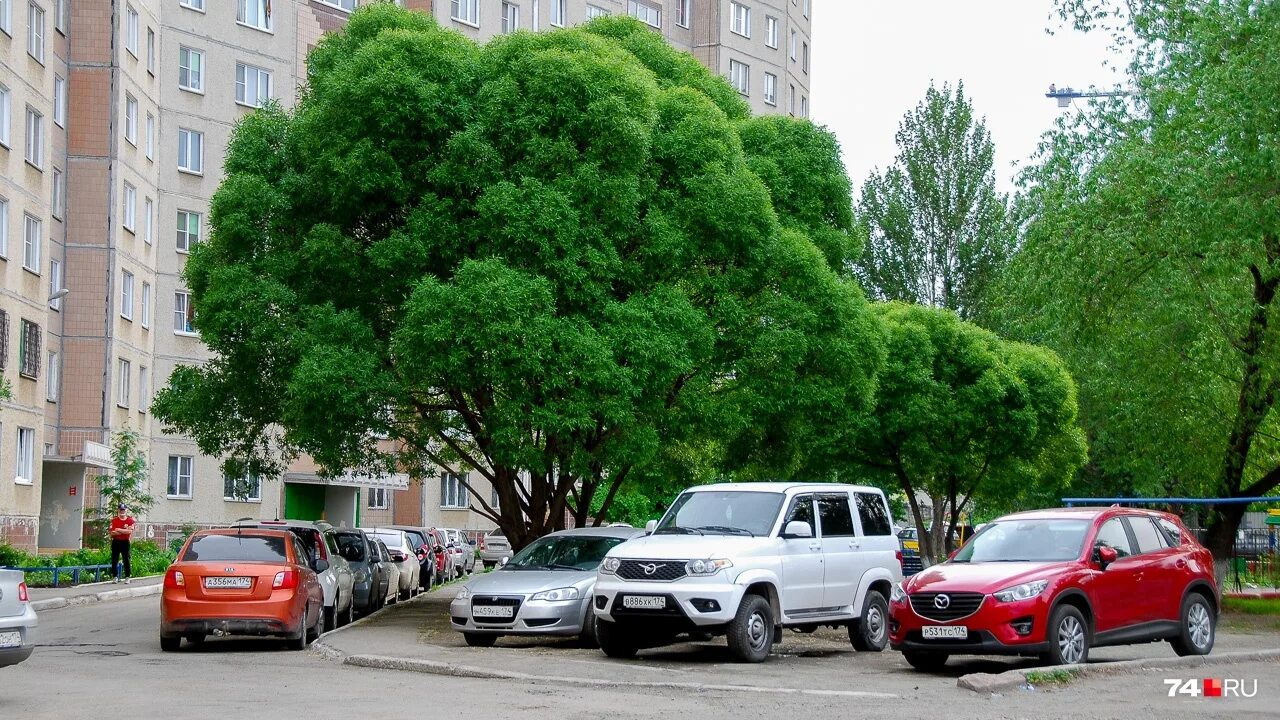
19, 531
408, 505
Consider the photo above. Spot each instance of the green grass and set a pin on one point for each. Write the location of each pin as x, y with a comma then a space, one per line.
1252, 606
1049, 677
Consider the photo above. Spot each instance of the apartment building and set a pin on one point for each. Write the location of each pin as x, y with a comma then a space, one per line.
114, 118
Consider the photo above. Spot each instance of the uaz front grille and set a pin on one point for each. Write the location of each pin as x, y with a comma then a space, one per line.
945, 607
654, 570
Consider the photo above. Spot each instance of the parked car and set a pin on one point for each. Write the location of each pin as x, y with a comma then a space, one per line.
911, 561
242, 581
370, 576
17, 619
391, 573
494, 547
401, 549
444, 560
337, 580
463, 551
421, 549
740, 559
546, 589
1055, 583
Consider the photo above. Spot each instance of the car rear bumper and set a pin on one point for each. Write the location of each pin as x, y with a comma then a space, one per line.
493, 557
281, 615
229, 626
533, 617
15, 655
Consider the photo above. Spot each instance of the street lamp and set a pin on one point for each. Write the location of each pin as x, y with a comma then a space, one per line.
59, 294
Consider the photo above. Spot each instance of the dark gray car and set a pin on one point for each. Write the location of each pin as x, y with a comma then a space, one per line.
370, 585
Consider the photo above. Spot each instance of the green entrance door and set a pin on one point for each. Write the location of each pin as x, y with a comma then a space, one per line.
303, 502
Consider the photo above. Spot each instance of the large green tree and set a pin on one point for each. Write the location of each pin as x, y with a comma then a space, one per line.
1152, 255
548, 254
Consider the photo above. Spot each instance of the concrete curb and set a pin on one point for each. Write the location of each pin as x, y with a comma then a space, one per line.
56, 603
987, 683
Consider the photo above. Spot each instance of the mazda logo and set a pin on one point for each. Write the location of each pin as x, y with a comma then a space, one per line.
942, 602
652, 568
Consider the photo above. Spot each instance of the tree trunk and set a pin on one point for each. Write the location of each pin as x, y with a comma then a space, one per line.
1220, 539
937, 540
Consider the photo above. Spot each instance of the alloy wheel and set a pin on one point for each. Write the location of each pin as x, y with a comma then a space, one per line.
1070, 640
1200, 625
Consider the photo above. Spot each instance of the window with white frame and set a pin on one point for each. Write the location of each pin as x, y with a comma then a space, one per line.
453, 494
151, 136
253, 85
129, 217
148, 220
740, 76
35, 31
558, 12
61, 13
771, 88
29, 350
180, 473
645, 13
126, 295
123, 379
151, 51
254, 13
6, 112
791, 99
144, 389
32, 239
804, 106
59, 101
26, 468
191, 69
465, 11
771, 31
683, 12
131, 23
35, 138
193, 4
4, 236
59, 187
146, 305
510, 17
378, 499
131, 119
794, 41
805, 5
495, 500
6, 19
55, 283
51, 382
594, 12
247, 488
347, 5
740, 19
188, 230
804, 56
183, 313
190, 151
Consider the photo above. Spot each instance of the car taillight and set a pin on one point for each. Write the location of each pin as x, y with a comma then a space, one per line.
480, 543
899, 554
285, 579
174, 579
22, 592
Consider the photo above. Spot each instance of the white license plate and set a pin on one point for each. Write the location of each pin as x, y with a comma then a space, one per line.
493, 611
644, 602
228, 582
10, 639
945, 632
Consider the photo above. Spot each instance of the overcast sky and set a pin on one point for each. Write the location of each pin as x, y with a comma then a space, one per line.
873, 60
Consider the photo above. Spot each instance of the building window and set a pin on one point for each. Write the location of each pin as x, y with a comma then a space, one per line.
465, 11
144, 389
51, 382
804, 106
130, 214
179, 486
59, 101
558, 11
29, 350
645, 13
183, 313
35, 138
190, 151
254, 13
26, 470
59, 185
192, 4
804, 56
453, 494
771, 88
191, 69
6, 111
4, 236
131, 119
740, 76
151, 136
55, 283
594, 12
253, 85
806, 8
131, 24
151, 52
148, 222
242, 489
188, 230
5, 19
4, 339
32, 239
794, 40
126, 295
771, 31
123, 369
740, 19
682, 13
495, 500
146, 305
791, 99
378, 499
347, 5
35, 31
510, 17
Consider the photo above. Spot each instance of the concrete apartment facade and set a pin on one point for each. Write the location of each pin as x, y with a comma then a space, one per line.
114, 118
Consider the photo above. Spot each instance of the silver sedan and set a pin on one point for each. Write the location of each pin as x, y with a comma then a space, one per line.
17, 619
544, 590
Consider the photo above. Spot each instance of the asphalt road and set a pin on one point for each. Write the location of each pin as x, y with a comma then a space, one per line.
104, 661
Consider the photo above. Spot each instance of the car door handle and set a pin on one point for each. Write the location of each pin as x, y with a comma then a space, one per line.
815, 546
855, 544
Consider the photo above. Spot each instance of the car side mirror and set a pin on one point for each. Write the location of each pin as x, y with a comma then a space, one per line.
650, 526
797, 529
319, 565
1104, 555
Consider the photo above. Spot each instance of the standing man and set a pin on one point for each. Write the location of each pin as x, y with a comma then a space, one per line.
121, 533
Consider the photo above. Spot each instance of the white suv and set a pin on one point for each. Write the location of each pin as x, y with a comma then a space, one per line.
748, 559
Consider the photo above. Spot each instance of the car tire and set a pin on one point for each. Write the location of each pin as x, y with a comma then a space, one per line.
349, 616
1067, 636
616, 642
587, 638
170, 643
330, 618
318, 628
925, 661
1198, 628
302, 639
871, 632
195, 638
481, 640
751, 630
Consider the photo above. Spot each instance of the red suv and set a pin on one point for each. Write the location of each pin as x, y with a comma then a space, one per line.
1055, 583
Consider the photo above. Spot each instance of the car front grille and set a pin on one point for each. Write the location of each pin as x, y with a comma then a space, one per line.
652, 570
955, 606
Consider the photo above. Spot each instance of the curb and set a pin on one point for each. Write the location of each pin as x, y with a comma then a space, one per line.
56, 603
988, 683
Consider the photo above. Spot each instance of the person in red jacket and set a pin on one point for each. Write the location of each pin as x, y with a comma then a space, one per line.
121, 534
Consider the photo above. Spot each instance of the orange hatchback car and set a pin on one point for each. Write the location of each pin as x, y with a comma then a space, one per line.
246, 581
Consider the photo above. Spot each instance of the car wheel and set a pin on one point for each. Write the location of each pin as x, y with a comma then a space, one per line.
587, 638
480, 639
318, 627
751, 630
1197, 633
616, 642
1068, 637
195, 638
330, 618
350, 615
170, 643
926, 661
871, 632
302, 639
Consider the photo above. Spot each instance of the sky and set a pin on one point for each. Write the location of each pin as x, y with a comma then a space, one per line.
874, 59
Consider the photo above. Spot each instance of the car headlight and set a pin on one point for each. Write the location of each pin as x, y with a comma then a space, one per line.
898, 593
1025, 591
557, 595
463, 593
706, 567
610, 565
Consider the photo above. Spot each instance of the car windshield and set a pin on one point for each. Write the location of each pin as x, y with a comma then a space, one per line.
351, 547
1043, 540
563, 552
244, 547
722, 512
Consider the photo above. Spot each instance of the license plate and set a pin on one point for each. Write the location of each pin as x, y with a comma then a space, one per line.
10, 639
228, 582
945, 632
493, 611
644, 602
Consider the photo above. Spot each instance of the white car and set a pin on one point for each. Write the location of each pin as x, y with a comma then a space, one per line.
461, 552
17, 619
748, 559
402, 556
